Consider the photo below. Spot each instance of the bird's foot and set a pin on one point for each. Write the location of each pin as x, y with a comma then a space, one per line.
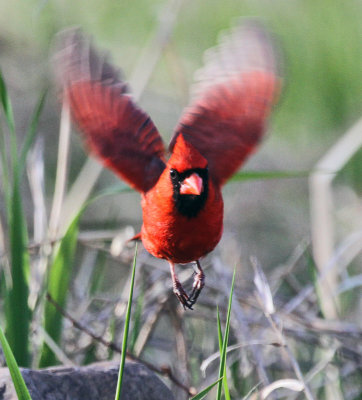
199, 283
182, 296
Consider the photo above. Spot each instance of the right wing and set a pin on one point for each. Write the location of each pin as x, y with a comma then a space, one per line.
115, 129
233, 97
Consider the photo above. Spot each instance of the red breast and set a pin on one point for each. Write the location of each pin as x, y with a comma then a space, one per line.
168, 234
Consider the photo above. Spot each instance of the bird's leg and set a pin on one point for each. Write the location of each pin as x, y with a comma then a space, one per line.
199, 283
179, 290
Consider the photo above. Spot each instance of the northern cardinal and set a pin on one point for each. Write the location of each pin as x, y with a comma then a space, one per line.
181, 197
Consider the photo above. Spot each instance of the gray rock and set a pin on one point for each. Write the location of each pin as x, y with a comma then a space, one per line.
96, 381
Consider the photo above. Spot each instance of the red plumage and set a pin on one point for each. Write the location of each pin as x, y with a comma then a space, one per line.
168, 234
181, 198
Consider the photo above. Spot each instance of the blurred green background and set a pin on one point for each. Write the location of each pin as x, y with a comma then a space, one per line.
320, 42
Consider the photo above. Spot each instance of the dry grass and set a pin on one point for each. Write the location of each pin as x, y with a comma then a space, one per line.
293, 341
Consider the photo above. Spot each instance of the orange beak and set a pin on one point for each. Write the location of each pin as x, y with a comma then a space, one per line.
191, 185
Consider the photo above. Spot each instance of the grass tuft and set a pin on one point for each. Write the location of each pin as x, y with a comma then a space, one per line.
224, 345
125, 331
17, 312
19, 383
58, 284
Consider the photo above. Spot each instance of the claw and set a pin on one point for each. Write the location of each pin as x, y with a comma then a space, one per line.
199, 283
182, 295
179, 291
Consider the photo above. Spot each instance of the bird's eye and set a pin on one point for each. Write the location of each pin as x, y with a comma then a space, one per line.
173, 173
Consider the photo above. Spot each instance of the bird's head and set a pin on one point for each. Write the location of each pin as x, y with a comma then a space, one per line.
188, 174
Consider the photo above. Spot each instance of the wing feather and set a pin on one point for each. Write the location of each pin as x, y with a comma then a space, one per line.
115, 129
232, 99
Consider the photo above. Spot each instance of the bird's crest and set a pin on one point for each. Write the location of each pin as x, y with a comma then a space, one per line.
185, 156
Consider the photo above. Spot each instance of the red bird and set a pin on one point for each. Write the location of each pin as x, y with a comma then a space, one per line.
181, 198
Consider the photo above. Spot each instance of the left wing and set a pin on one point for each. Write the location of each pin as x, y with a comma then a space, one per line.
115, 129
233, 98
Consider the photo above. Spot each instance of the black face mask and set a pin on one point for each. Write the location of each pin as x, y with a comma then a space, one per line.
189, 205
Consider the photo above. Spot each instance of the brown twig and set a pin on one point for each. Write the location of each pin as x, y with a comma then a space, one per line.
164, 370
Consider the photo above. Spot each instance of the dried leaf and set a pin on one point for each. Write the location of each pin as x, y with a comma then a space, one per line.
262, 287
291, 384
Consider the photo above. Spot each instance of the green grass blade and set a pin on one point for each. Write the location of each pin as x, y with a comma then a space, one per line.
205, 391
5, 173
126, 330
136, 325
9, 116
31, 133
225, 341
6, 104
98, 274
259, 175
17, 311
219, 332
19, 384
58, 284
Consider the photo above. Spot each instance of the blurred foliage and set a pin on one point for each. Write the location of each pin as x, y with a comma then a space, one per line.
321, 55
320, 46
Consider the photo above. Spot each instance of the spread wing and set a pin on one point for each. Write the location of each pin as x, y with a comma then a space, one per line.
232, 98
115, 129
